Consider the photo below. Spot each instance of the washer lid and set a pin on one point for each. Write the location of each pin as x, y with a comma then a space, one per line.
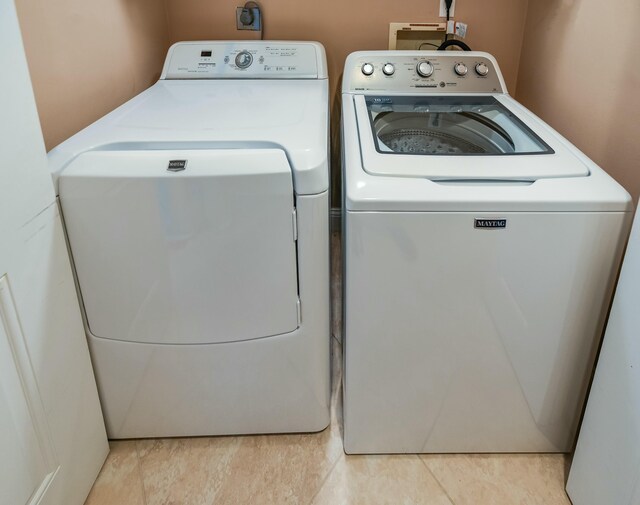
457, 137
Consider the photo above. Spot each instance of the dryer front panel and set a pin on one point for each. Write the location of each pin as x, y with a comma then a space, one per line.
183, 247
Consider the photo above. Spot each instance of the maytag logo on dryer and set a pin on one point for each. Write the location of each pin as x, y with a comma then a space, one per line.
490, 224
177, 165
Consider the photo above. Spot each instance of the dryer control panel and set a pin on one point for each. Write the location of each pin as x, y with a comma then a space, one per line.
245, 60
443, 72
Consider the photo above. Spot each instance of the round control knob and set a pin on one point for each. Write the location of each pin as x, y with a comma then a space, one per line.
460, 69
482, 69
424, 68
388, 69
367, 69
244, 59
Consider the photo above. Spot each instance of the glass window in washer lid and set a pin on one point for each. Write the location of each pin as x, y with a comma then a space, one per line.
449, 126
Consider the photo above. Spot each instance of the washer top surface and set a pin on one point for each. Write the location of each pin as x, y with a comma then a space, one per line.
428, 130
208, 98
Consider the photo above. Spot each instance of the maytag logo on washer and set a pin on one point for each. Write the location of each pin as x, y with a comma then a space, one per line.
177, 165
490, 224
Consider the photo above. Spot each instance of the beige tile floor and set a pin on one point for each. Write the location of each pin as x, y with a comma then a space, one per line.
313, 469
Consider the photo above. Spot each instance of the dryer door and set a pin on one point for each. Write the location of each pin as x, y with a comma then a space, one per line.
201, 255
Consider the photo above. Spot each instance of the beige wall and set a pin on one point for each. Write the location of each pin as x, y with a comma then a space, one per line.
86, 57
580, 71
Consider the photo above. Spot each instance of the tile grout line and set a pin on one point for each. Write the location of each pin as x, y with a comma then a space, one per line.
444, 490
144, 491
326, 478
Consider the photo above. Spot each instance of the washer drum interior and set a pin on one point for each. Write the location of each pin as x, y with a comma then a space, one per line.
448, 133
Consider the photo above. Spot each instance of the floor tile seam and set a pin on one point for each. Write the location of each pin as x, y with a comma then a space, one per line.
326, 478
442, 486
144, 490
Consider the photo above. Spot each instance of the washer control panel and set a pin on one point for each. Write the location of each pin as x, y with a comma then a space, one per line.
431, 71
243, 60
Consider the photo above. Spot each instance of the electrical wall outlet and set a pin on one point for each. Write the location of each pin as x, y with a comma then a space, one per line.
443, 9
248, 18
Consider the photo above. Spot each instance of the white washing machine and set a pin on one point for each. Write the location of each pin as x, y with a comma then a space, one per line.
197, 218
480, 253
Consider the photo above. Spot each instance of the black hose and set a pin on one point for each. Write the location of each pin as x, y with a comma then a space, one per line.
452, 42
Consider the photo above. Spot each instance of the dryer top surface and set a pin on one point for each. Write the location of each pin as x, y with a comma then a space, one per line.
291, 115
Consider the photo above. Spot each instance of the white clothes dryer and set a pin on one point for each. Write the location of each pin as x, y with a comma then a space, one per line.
197, 218
480, 252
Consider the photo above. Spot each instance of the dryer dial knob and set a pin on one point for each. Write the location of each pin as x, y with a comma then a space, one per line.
482, 69
388, 69
244, 59
424, 68
367, 69
460, 69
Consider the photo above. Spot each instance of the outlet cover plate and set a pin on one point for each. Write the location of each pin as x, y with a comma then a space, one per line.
443, 9
257, 20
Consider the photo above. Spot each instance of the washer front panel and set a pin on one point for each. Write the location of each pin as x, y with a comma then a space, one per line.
462, 338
